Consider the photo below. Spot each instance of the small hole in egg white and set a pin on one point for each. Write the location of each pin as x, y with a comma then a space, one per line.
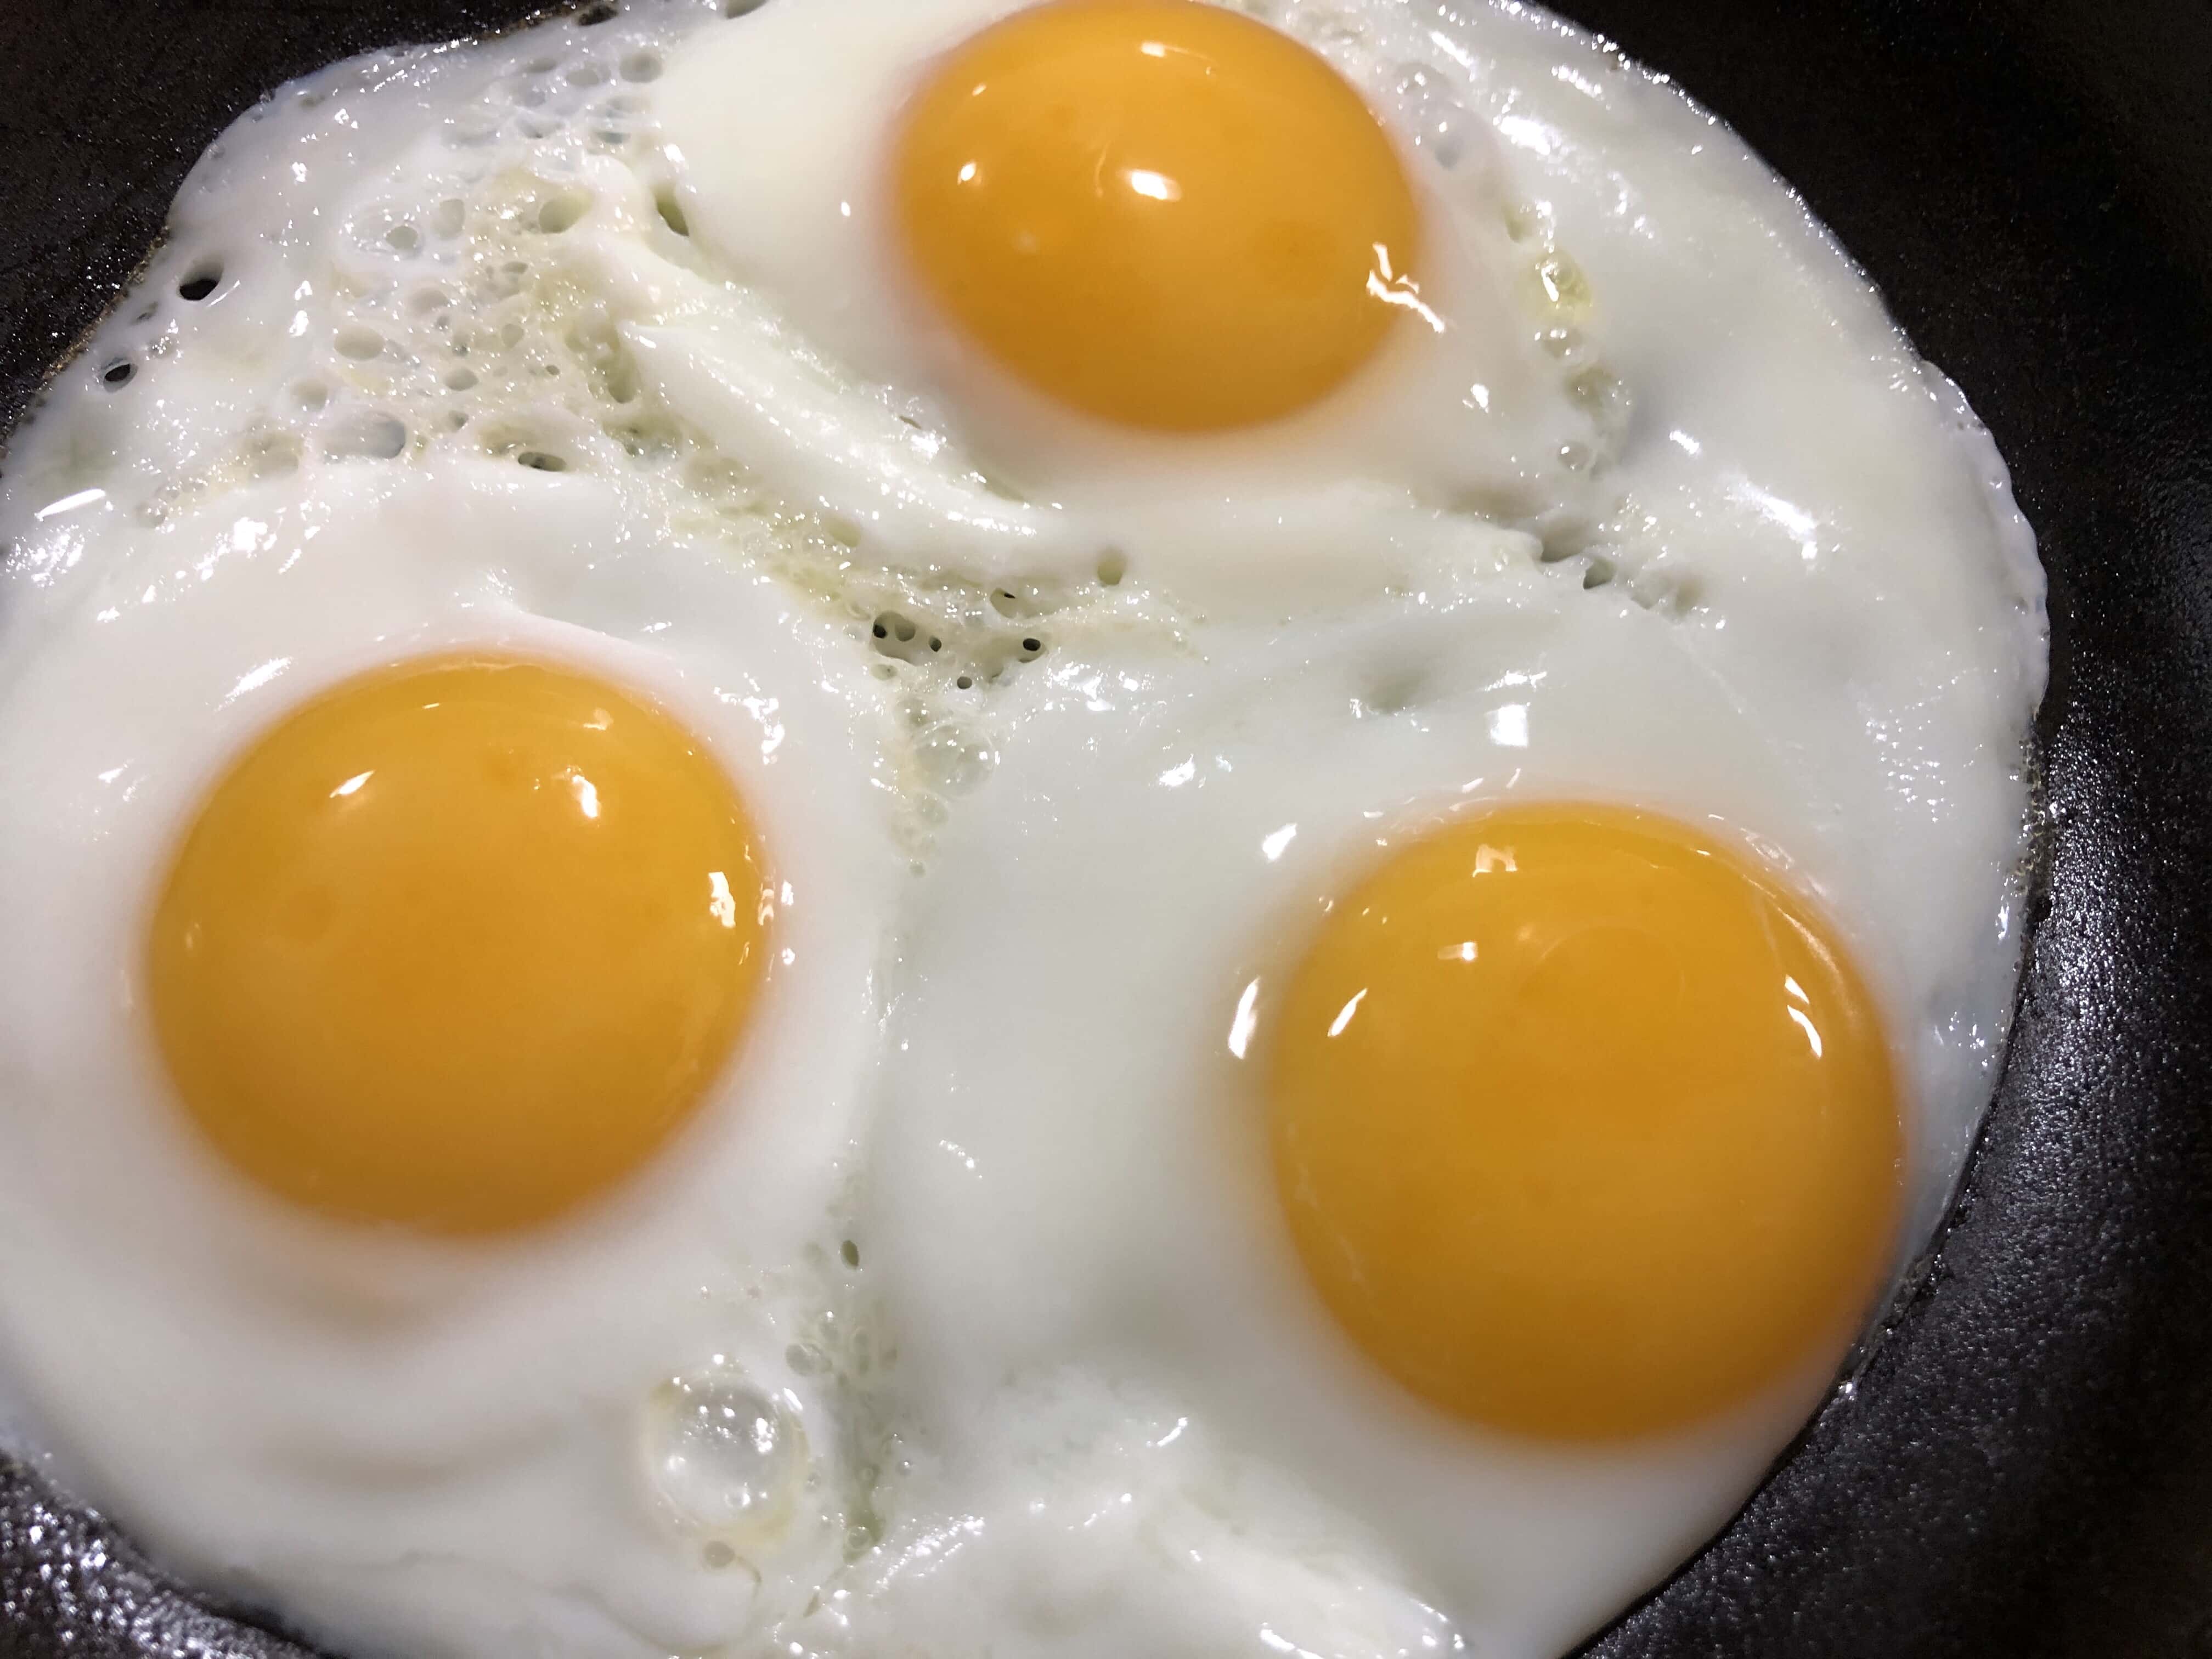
538, 461
1562, 542
604, 12
359, 343
369, 436
717, 1554
850, 1252
201, 282
563, 211
272, 455
1112, 567
671, 212
641, 66
117, 374
403, 237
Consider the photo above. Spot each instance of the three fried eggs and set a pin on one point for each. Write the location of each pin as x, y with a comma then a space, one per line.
1040, 1244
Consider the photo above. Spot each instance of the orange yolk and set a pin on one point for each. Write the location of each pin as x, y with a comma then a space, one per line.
458, 944
1158, 211
1585, 1126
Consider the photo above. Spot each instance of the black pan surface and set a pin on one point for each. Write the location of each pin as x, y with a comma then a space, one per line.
2024, 1466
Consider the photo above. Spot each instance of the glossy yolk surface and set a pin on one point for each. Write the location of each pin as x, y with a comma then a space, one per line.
1585, 1126
458, 944
1158, 211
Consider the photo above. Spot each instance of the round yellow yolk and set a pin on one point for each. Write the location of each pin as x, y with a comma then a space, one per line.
458, 944
1585, 1126
1156, 210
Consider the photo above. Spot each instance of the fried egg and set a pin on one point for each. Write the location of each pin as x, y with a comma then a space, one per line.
851, 828
1435, 423
1114, 1184
404, 1266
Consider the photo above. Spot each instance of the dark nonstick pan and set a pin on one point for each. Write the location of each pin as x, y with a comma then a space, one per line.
2023, 1465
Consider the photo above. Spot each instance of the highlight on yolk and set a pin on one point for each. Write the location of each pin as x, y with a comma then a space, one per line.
1585, 1126
1158, 211
458, 944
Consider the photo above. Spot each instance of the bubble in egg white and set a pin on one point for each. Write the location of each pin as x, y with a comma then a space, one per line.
956, 755
728, 1456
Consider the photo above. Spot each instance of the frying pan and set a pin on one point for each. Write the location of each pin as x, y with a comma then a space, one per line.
2020, 1463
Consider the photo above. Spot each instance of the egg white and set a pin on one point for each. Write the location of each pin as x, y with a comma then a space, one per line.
510, 344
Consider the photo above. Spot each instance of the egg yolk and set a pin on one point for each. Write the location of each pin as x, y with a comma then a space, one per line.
1585, 1126
458, 944
1158, 211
